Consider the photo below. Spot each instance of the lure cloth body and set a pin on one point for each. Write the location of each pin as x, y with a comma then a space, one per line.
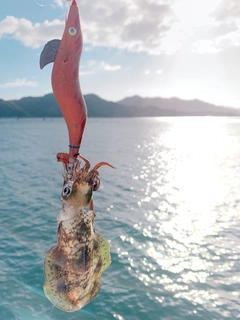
65, 54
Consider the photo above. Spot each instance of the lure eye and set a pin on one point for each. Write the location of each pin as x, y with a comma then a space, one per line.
96, 183
67, 190
72, 31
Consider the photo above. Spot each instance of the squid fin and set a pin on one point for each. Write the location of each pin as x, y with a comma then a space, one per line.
49, 52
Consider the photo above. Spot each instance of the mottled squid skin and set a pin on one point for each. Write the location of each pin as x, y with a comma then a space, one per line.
74, 266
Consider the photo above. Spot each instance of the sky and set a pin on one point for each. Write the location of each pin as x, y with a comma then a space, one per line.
188, 49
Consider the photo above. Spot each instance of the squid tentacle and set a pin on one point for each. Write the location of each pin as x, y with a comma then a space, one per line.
100, 164
87, 163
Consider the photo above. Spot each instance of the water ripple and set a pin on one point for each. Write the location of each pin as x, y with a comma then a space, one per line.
170, 212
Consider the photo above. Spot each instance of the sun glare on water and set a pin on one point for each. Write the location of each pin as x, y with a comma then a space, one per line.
189, 185
192, 180
197, 173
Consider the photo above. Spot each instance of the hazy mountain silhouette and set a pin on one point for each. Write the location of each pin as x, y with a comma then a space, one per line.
178, 107
135, 106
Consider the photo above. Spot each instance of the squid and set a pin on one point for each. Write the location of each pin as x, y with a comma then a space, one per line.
73, 267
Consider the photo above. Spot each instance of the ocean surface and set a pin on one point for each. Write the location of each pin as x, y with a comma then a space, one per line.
171, 212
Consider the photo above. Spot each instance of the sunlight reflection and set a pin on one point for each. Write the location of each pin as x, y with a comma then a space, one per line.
198, 296
195, 172
188, 199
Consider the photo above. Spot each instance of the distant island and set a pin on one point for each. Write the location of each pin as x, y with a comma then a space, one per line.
135, 106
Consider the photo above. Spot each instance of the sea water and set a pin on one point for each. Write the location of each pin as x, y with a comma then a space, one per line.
170, 210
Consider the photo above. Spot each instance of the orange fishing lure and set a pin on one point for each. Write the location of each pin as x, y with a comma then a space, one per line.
66, 55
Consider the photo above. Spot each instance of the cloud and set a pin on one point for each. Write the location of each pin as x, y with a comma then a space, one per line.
147, 72
227, 20
59, 2
227, 10
100, 66
31, 35
230, 40
19, 83
150, 26
108, 67
134, 25
205, 46
226, 41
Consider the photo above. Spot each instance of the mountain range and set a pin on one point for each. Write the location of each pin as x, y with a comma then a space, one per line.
135, 106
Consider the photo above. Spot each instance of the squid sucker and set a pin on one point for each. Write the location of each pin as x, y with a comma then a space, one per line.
73, 267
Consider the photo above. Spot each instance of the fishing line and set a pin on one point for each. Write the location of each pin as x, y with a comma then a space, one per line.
43, 5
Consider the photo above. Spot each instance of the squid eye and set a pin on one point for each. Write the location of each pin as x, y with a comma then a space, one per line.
72, 31
67, 190
96, 183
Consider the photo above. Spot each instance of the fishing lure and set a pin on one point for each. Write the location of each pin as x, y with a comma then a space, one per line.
74, 266
66, 55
